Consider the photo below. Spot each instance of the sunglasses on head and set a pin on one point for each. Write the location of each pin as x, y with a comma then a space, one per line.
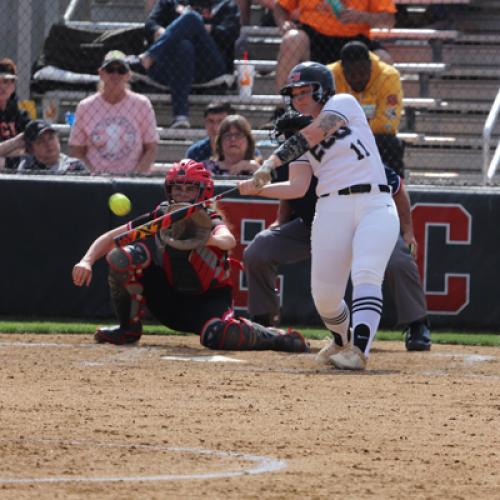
121, 70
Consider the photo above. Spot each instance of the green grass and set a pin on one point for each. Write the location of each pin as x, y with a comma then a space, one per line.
47, 327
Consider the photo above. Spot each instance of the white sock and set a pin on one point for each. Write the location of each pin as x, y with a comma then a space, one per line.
366, 312
338, 324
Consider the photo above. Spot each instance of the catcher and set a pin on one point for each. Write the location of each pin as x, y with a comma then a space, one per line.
182, 274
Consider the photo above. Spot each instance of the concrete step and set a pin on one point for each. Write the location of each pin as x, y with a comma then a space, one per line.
122, 10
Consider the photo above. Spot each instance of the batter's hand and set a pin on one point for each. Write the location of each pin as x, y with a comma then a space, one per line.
262, 175
82, 274
248, 188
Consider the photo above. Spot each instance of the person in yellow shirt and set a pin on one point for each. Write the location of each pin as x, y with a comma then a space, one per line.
377, 87
324, 27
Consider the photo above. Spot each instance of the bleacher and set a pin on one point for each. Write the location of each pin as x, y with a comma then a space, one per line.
450, 76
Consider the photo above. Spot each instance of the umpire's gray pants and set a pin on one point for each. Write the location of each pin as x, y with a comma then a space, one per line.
291, 242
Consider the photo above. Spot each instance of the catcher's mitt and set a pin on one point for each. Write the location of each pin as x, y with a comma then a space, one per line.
189, 233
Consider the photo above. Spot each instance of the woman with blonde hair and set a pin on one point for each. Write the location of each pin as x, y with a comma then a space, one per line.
115, 128
235, 148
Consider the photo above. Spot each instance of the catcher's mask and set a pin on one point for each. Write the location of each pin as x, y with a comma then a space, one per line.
190, 172
310, 73
288, 124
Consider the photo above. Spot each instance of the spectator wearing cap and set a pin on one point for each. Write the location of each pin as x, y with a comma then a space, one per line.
377, 87
190, 42
43, 150
115, 129
12, 119
214, 113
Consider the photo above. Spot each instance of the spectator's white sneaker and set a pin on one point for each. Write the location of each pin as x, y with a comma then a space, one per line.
349, 358
180, 122
323, 356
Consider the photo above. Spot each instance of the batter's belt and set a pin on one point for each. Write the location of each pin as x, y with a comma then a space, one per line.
359, 188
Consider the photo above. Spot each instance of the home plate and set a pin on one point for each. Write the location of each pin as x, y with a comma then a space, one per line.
208, 359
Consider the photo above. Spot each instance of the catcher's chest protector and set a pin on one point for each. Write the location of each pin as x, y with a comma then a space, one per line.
196, 271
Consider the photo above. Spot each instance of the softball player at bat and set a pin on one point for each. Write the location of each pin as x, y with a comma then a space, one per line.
185, 282
356, 224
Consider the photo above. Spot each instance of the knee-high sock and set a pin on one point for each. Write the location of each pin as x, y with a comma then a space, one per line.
366, 312
338, 324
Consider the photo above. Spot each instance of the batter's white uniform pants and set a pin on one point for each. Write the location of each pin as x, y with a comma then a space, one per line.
355, 234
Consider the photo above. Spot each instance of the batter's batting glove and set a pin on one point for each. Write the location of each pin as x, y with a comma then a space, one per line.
262, 175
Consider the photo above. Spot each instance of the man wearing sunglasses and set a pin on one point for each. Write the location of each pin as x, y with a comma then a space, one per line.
115, 129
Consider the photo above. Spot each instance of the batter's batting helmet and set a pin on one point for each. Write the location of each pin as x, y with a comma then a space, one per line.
190, 172
311, 73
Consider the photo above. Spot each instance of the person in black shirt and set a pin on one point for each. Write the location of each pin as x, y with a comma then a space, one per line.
12, 119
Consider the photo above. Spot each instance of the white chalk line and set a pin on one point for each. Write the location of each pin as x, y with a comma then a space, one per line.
262, 465
206, 359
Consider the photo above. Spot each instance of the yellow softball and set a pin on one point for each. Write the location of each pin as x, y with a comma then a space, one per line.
119, 204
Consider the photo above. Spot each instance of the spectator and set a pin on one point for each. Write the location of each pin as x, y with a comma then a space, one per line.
13, 120
41, 142
288, 240
377, 87
214, 113
115, 129
193, 43
320, 34
235, 148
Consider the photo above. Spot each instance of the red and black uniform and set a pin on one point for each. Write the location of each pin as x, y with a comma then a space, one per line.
184, 289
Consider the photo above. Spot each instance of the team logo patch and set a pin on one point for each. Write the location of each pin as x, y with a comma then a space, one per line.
392, 100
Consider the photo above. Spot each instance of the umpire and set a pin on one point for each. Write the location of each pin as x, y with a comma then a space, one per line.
288, 240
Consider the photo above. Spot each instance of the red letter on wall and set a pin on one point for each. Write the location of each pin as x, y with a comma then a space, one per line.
457, 221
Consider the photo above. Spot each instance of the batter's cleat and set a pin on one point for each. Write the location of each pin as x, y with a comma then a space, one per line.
118, 335
349, 357
291, 341
323, 356
418, 337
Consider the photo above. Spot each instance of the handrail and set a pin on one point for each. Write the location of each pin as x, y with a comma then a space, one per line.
489, 168
73, 9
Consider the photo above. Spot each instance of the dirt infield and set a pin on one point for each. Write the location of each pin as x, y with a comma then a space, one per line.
80, 420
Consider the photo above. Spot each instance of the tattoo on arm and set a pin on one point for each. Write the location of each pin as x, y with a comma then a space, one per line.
329, 123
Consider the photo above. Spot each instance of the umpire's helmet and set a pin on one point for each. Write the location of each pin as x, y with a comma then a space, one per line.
311, 73
288, 123
190, 172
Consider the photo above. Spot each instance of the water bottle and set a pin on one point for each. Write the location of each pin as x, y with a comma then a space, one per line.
69, 118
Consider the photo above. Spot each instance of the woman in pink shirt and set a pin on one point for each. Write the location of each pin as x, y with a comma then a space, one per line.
115, 129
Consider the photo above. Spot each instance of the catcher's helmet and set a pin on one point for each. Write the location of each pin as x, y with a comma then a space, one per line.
190, 172
311, 73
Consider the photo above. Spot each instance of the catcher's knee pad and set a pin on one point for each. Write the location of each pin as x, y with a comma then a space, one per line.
129, 259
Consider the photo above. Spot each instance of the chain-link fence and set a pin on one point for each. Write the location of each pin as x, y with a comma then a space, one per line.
431, 78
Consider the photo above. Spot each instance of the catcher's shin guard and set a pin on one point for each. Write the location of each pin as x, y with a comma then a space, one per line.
126, 294
243, 335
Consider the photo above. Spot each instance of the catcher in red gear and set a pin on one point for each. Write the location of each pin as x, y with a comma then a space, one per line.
182, 273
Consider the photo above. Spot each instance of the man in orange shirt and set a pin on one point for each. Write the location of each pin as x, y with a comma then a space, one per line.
322, 30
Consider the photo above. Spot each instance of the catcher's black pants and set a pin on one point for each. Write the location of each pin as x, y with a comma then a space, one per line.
186, 313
